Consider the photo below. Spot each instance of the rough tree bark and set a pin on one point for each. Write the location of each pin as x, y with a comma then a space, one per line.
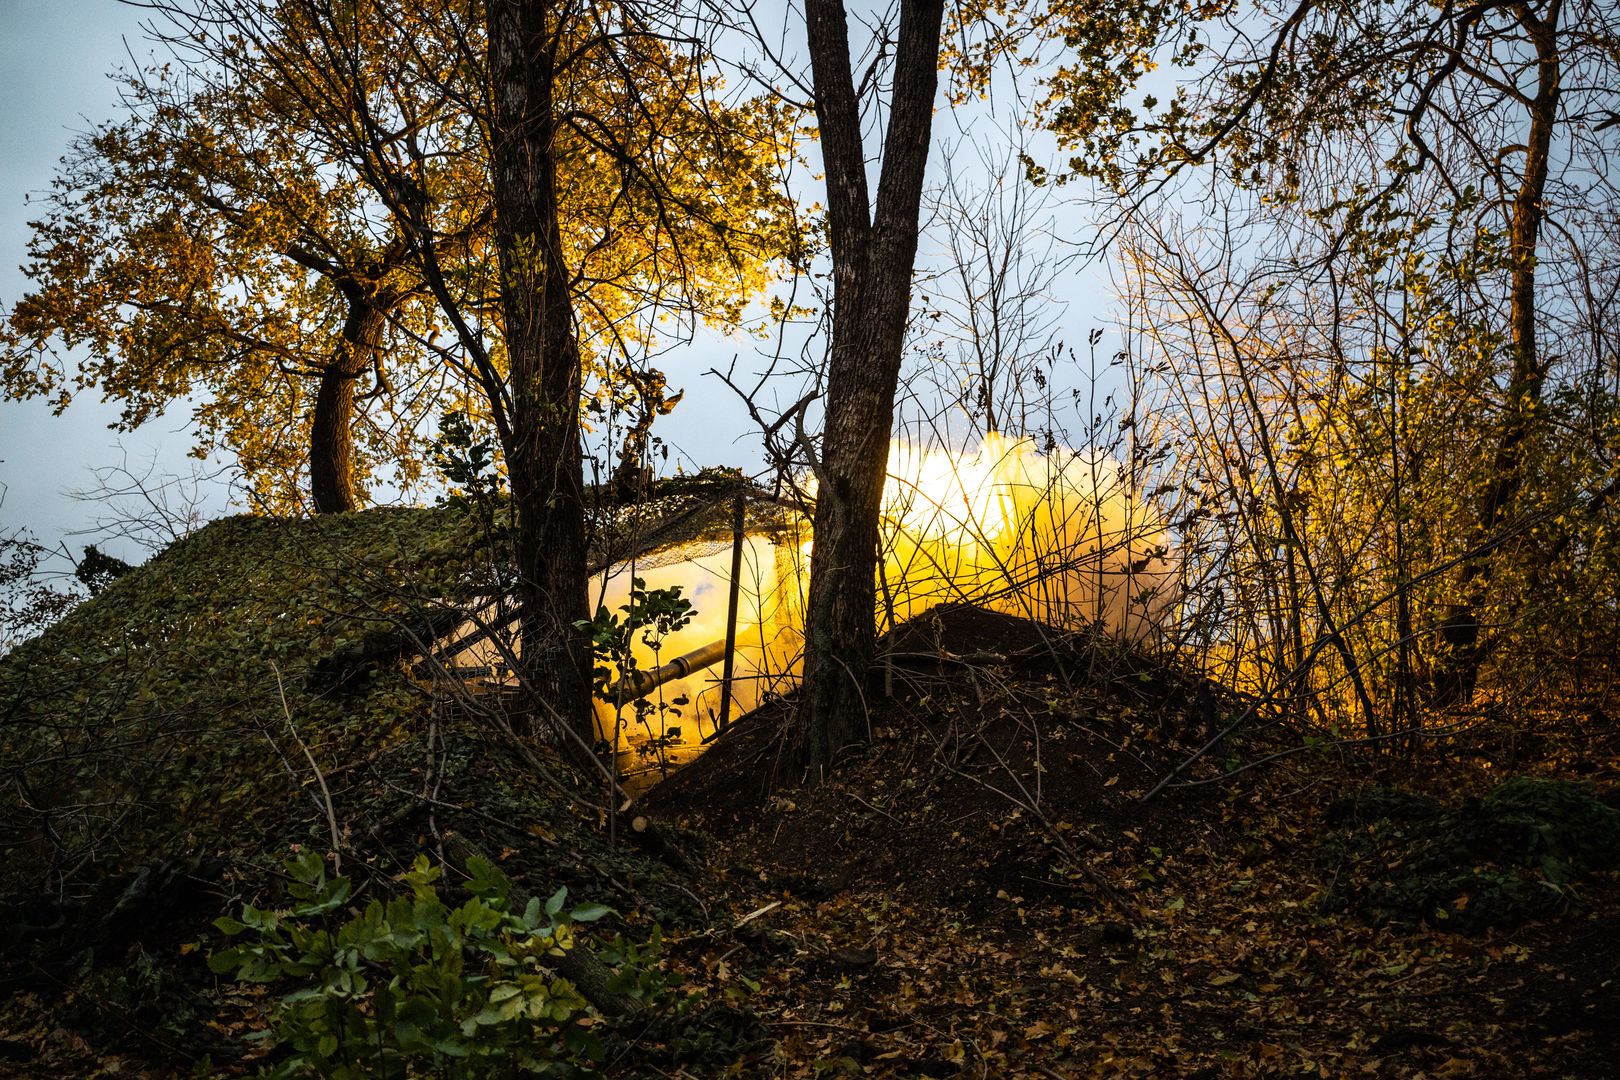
544, 456
1454, 682
872, 256
332, 485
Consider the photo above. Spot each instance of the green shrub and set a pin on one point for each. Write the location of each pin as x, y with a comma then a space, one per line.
1498, 861
654, 614
1555, 826
414, 987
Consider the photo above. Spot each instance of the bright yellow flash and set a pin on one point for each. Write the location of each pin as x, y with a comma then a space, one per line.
1058, 536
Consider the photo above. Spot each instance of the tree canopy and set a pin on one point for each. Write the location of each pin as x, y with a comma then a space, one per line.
298, 202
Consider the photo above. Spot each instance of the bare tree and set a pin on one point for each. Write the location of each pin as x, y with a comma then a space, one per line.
993, 302
1472, 134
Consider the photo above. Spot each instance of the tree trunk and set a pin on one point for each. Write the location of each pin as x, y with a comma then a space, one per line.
1464, 645
872, 266
543, 457
332, 485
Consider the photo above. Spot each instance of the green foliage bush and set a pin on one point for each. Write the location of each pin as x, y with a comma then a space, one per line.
414, 987
1496, 861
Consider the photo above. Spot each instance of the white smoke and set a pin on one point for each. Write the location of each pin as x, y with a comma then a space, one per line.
1059, 537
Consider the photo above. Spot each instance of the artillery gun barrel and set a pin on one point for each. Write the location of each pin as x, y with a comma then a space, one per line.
642, 683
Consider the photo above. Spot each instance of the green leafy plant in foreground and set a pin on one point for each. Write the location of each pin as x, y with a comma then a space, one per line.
655, 614
414, 987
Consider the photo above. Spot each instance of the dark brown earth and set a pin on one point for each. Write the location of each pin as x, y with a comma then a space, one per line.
981, 892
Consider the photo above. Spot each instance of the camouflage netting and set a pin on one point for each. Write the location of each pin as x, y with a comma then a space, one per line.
159, 739
683, 517
150, 720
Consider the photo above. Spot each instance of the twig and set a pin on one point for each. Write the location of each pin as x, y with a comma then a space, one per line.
757, 913
320, 778
869, 806
1119, 903
430, 801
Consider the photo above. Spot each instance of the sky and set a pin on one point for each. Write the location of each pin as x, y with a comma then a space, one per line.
55, 57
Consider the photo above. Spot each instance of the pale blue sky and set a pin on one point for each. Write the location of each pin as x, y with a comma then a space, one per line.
55, 56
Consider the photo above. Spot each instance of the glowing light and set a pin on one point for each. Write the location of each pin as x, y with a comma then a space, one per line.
766, 661
1057, 536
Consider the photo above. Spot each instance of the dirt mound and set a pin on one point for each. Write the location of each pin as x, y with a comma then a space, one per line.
1001, 751
979, 891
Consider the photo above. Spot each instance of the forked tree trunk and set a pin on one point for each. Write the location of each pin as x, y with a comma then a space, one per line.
872, 257
332, 484
543, 458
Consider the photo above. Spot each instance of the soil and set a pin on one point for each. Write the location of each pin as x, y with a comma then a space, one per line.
982, 891
988, 887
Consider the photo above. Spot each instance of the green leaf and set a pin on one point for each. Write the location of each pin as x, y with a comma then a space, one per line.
225, 962
485, 880
589, 912
503, 992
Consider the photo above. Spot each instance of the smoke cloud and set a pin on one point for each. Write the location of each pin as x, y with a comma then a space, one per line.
1059, 537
